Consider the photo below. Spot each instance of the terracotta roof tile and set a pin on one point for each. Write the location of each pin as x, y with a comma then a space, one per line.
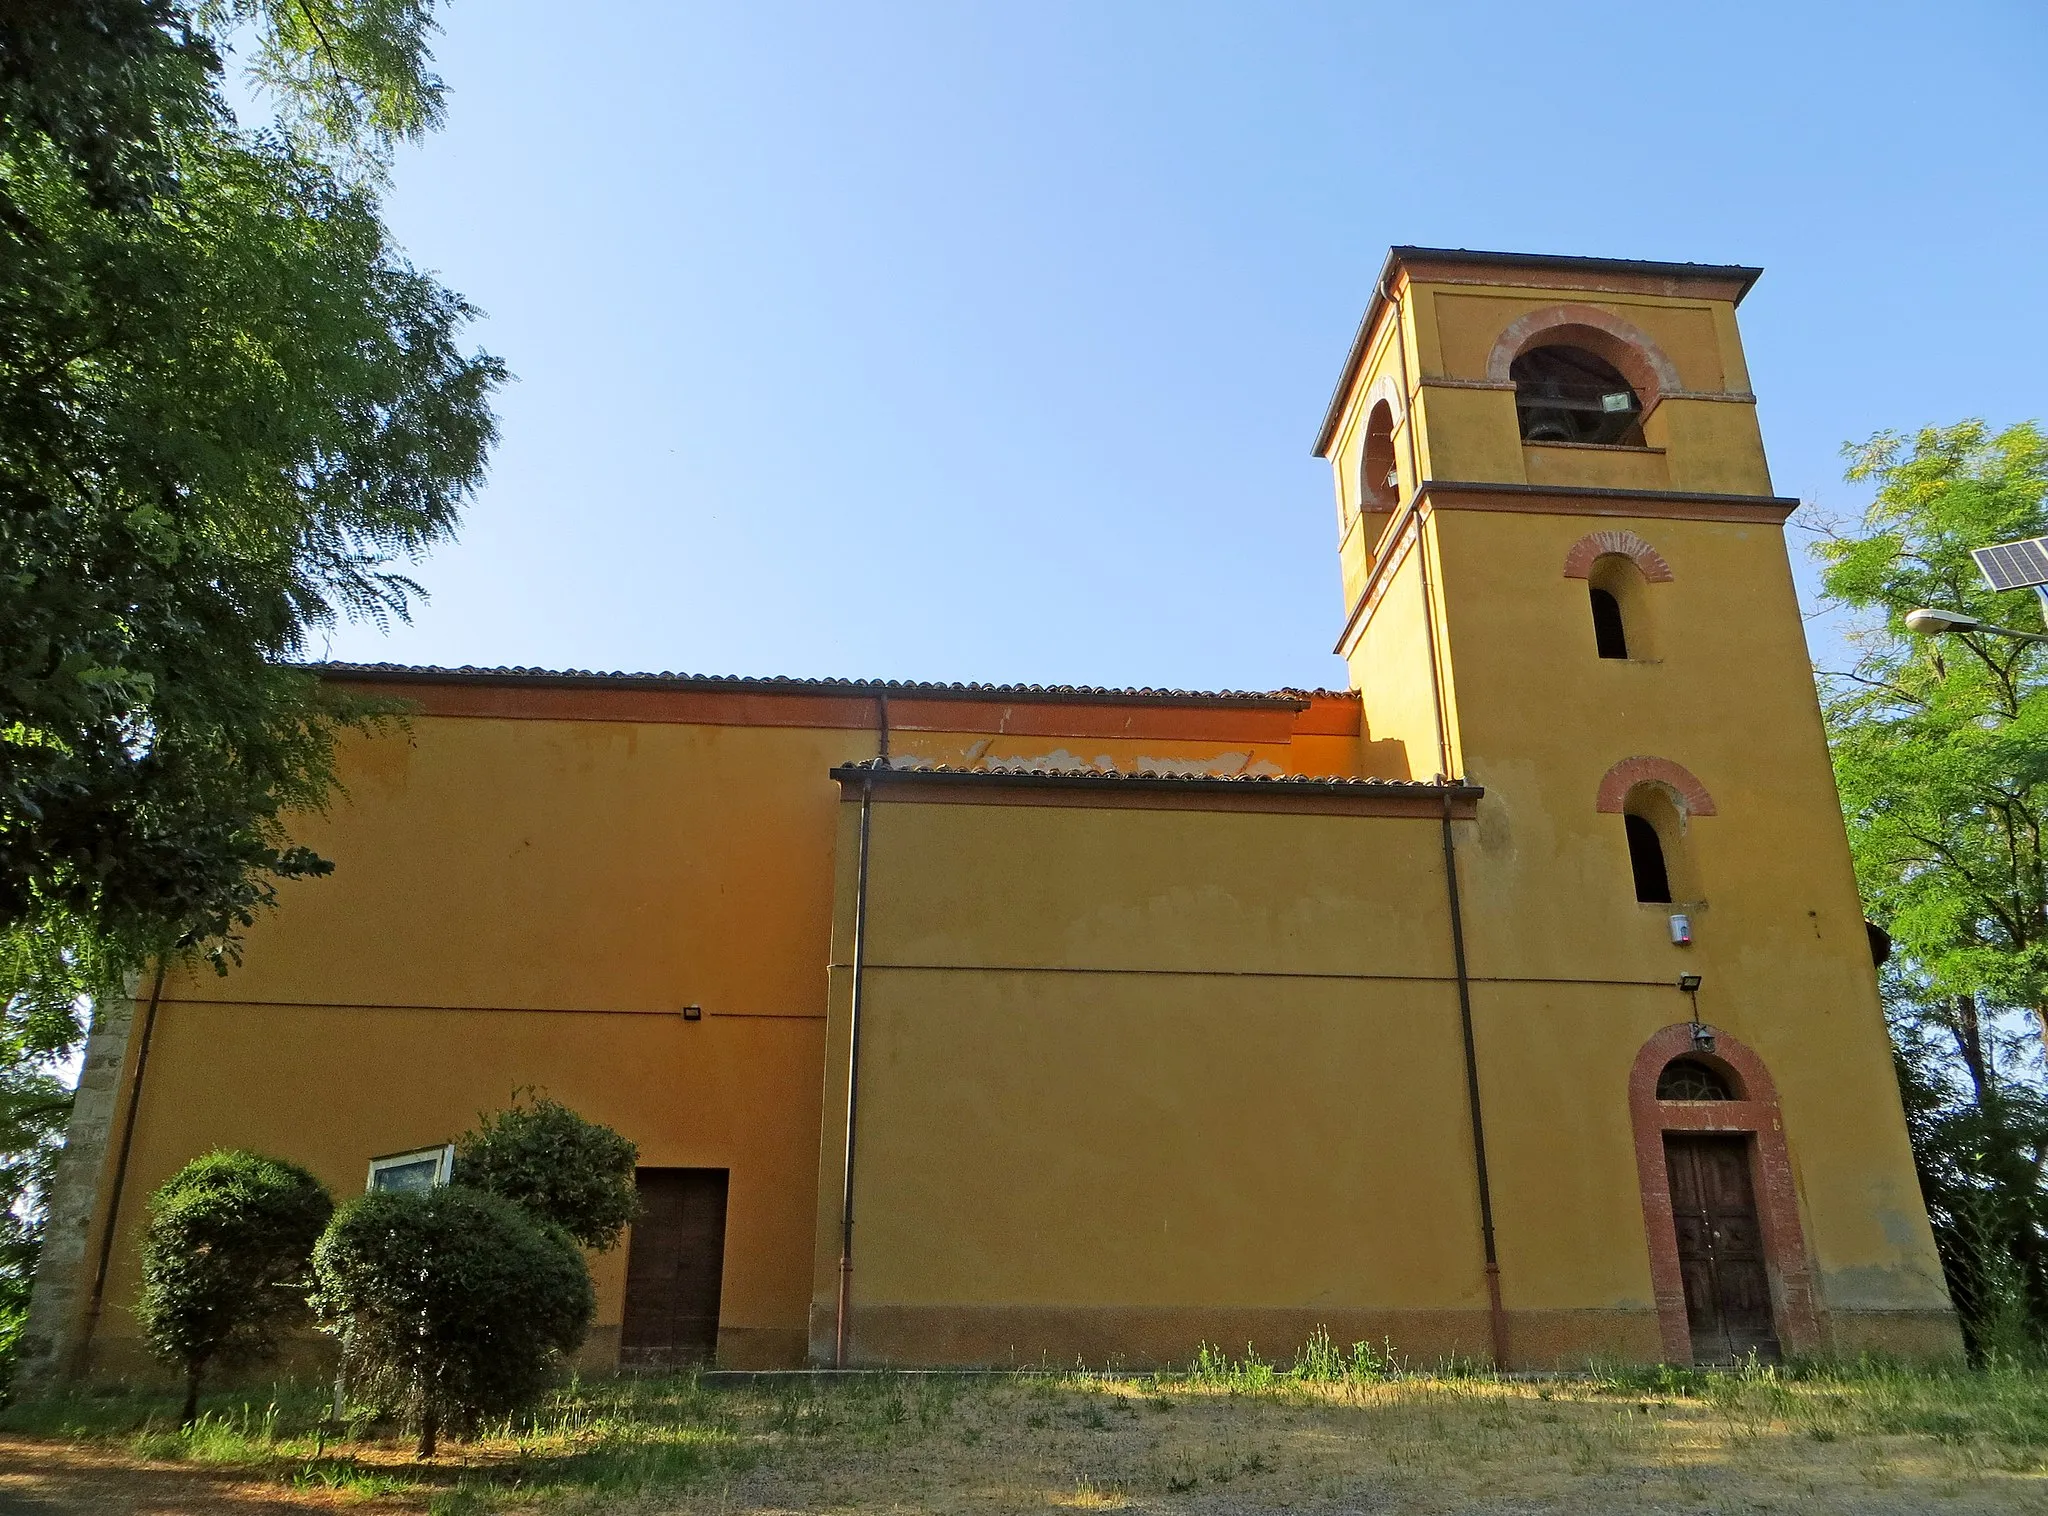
909, 767
781, 684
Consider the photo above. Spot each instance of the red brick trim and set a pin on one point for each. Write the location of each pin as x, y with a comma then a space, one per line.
1578, 563
1755, 1114
1622, 343
1616, 783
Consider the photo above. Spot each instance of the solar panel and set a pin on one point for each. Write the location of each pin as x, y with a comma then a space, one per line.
2014, 565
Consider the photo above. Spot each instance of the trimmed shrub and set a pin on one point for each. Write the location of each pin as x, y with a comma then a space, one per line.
452, 1305
224, 1261
561, 1169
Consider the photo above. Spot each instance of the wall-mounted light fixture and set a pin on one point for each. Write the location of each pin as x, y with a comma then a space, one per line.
693, 1013
1702, 1035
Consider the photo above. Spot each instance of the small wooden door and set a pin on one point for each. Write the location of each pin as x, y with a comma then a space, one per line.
675, 1263
1720, 1248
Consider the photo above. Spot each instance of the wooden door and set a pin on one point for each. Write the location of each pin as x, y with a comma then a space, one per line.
675, 1262
1720, 1248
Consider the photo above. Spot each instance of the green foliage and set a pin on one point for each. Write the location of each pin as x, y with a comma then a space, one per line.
220, 418
1941, 744
224, 1261
1940, 748
37, 1029
227, 404
230, 411
453, 1305
351, 75
1321, 1361
561, 1169
1318, 1361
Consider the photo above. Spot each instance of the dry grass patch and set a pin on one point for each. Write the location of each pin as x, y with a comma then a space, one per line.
1239, 1436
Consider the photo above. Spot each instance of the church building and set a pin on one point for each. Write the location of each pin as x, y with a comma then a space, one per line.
1514, 1003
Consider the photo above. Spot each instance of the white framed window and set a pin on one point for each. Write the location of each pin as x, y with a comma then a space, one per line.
421, 1169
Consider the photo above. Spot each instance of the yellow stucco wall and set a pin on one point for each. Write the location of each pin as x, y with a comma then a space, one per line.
531, 902
1133, 1080
1779, 935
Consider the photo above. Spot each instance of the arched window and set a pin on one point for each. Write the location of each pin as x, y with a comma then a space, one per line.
1621, 607
1379, 483
1610, 636
1657, 853
1646, 857
1690, 1079
1566, 394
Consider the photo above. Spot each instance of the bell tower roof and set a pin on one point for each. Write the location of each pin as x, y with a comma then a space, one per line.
1548, 271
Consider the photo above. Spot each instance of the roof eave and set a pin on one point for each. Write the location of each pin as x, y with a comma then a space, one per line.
882, 771
402, 674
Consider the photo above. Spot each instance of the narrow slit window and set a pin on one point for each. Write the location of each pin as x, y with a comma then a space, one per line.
1609, 635
1646, 858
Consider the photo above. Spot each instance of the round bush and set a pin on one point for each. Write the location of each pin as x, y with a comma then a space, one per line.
552, 1163
453, 1305
224, 1261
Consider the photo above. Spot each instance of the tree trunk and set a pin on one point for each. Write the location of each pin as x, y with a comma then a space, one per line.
191, 1412
1969, 1032
430, 1426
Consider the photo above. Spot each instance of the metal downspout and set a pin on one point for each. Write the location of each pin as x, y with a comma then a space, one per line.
860, 936
1496, 1314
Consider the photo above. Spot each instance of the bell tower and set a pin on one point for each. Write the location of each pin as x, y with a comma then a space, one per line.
1530, 386
1566, 580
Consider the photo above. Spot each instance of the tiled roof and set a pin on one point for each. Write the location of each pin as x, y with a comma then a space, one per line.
402, 673
917, 768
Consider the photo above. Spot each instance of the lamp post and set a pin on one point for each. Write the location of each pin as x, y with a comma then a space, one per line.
1933, 623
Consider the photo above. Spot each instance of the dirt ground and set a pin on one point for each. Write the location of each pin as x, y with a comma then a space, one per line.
1415, 1445
42, 1478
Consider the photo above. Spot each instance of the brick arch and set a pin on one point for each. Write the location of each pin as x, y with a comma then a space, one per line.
1616, 783
1388, 388
1755, 1115
1621, 342
1578, 563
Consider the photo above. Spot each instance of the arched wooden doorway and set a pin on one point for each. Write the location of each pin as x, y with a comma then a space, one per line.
1728, 1259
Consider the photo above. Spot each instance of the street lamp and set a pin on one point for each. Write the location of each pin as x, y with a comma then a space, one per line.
2005, 566
1933, 623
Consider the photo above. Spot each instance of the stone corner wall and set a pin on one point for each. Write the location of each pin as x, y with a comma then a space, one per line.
53, 1338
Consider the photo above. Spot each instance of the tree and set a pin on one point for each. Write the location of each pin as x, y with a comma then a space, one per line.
229, 408
224, 1261
453, 1305
552, 1163
1941, 754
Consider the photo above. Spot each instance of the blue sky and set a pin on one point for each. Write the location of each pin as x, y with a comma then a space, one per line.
987, 341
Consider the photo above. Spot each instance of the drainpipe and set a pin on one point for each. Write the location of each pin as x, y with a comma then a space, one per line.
1497, 1316
99, 1278
860, 938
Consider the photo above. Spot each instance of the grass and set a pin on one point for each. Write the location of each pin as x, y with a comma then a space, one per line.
1338, 1427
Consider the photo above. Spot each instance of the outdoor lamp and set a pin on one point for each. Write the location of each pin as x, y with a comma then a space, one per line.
1702, 1036
1929, 622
